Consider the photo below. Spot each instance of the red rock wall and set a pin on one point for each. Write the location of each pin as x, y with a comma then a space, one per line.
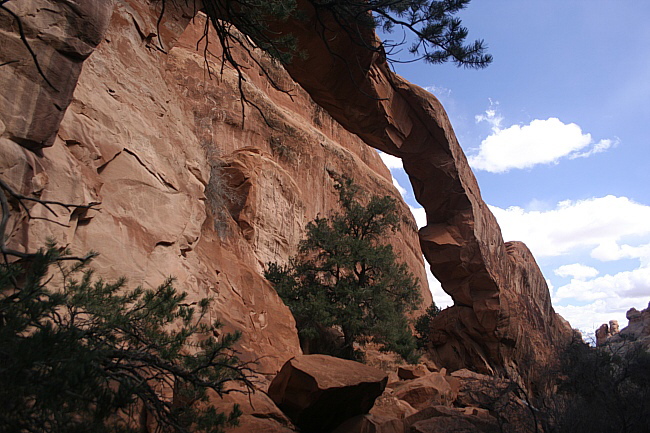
146, 121
140, 133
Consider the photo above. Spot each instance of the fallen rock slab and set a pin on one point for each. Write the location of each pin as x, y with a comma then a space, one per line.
448, 419
320, 392
408, 372
432, 389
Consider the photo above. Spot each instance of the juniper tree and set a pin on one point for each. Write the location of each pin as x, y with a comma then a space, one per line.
438, 35
422, 325
74, 360
344, 276
79, 354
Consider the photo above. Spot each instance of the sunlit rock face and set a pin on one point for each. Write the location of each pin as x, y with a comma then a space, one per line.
192, 183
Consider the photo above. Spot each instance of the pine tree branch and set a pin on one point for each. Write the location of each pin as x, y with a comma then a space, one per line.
21, 199
23, 38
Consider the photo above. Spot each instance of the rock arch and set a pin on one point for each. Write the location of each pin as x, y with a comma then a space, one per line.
502, 311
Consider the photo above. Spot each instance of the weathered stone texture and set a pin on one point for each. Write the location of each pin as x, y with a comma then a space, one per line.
188, 187
430, 390
319, 392
61, 36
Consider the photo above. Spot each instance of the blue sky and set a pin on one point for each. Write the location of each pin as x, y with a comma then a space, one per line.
556, 130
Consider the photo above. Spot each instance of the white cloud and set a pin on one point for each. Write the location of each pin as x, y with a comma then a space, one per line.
587, 318
390, 161
539, 142
440, 297
610, 251
438, 91
399, 187
420, 216
577, 271
598, 228
627, 284
601, 146
393, 163
491, 116
596, 223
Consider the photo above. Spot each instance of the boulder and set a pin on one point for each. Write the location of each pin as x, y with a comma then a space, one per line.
389, 406
408, 372
432, 389
447, 419
319, 392
431, 366
371, 424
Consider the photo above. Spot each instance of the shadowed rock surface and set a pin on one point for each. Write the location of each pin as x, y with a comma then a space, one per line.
319, 392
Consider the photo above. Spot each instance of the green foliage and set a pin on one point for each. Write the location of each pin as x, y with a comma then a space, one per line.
344, 277
253, 18
603, 389
423, 324
93, 355
439, 36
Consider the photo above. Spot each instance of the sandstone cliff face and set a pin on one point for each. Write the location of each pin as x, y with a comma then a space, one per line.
62, 37
191, 187
188, 187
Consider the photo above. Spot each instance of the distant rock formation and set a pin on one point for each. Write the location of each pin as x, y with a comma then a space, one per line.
637, 329
638, 323
605, 331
